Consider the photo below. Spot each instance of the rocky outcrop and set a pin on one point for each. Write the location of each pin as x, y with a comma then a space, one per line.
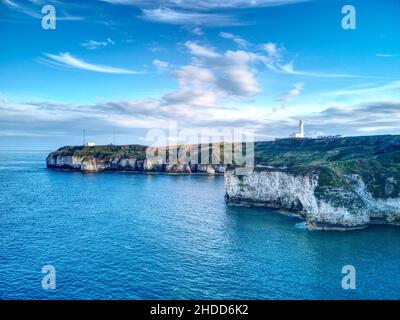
128, 164
92, 164
325, 207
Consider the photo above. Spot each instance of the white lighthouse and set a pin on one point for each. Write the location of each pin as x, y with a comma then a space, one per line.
300, 134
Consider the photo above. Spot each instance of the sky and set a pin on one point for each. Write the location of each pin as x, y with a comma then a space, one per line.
119, 68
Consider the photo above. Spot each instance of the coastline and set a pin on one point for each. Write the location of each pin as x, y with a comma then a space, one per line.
332, 183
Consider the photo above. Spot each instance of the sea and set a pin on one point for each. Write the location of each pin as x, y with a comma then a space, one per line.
136, 236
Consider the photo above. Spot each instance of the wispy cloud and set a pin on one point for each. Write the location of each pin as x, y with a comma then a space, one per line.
178, 17
235, 38
289, 96
22, 9
371, 89
386, 55
200, 50
161, 65
206, 4
10, 3
93, 44
197, 30
32, 9
64, 59
194, 12
275, 62
289, 68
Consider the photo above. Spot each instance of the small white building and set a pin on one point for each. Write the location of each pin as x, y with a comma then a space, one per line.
300, 134
90, 144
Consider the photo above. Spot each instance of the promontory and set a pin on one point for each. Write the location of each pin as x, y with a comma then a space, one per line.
334, 183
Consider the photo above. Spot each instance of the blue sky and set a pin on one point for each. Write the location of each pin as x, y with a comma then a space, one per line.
132, 65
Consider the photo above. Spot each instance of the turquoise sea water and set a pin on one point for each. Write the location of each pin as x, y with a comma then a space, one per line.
134, 236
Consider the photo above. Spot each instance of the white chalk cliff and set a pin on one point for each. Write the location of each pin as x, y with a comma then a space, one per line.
154, 165
299, 194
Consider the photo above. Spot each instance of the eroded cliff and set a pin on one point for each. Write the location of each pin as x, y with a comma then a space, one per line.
345, 207
122, 158
335, 184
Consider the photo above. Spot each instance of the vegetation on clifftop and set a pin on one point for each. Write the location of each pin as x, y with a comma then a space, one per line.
107, 151
289, 152
376, 159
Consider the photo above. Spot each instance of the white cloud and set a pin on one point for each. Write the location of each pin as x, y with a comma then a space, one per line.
10, 3
386, 55
198, 31
372, 90
206, 4
33, 10
161, 65
22, 9
234, 72
273, 51
67, 60
237, 39
289, 96
289, 68
201, 51
93, 44
239, 72
381, 117
197, 87
274, 56
195, 12
171, 16
275, 62
156, 48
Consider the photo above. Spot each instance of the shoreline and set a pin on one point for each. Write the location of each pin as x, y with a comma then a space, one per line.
137, 172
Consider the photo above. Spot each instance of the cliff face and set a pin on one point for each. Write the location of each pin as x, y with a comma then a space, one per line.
324, 207
334, 183
90, 163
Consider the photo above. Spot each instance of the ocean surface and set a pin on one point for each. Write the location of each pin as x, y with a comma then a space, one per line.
134, 236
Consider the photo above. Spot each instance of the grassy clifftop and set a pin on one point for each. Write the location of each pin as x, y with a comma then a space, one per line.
107, 151
373, 152
376, 159
289, 152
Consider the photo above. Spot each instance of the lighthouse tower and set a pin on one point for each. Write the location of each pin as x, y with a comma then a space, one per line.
301, 125
300, 134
